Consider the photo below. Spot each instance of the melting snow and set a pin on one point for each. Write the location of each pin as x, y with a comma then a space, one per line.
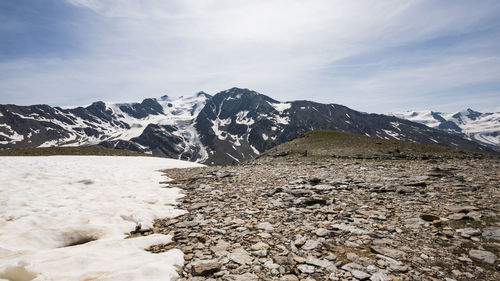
254, 150
65, 217
241, 118
280, 107
13, 135
392, 134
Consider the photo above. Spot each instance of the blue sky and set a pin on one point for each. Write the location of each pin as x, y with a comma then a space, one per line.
374, 56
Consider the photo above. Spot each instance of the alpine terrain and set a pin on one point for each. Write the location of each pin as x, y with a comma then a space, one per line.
483, 128
229, 127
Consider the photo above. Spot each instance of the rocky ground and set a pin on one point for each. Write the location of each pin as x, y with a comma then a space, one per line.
288, 218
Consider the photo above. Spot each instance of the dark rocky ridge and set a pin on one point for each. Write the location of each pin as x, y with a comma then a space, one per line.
233, 126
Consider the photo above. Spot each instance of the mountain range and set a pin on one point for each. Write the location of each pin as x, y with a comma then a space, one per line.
229, 127
483, 128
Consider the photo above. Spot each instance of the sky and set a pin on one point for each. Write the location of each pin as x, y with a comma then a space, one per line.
374, 56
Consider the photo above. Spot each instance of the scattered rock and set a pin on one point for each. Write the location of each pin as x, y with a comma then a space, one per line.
259, 228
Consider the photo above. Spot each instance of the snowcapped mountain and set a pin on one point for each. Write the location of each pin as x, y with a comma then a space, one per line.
483, 128
231, 126
161, 126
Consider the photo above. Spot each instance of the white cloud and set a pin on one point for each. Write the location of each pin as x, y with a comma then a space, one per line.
281, 48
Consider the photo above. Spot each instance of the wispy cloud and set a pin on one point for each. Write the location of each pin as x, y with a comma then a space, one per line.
371, 55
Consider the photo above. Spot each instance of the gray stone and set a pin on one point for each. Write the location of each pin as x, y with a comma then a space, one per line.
304, 268
318, 262
386, 251
265, 226
289, 277
260, 253
240, 256
244, 277
469, 231
350, 228
259, 246
492, 233
310, 245
322, 232
484, 256
197, 206
358, 274
353, 266
352, 256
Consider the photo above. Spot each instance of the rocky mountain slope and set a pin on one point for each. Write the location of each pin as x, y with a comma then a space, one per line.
335, 214
483, 128
232, 126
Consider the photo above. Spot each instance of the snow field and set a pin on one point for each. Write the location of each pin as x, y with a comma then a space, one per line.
65, 217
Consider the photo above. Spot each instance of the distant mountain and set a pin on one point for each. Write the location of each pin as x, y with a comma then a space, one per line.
483, 128
231, 126
161, 126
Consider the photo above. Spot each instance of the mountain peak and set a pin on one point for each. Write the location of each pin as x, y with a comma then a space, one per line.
202, 93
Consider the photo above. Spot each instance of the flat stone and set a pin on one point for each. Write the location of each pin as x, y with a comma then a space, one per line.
353, 266
360, 275
458, 216
260, 253
492, 233
322, 232
386, 251
380, 276
197, 206
265, 226
461, 209
352, 256
204, 267
469, 231
289, 277
318, 262
243, 277
429, 217
310, 245
259, 246
304, 268
484, 256
240, 256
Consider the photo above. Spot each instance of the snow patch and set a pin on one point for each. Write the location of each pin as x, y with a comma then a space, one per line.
63, 212
12, 135
241, 118
234, 158
254, 150
392, 134
280, 107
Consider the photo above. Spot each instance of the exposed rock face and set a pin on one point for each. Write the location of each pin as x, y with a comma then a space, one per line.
250, 220
230, 127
